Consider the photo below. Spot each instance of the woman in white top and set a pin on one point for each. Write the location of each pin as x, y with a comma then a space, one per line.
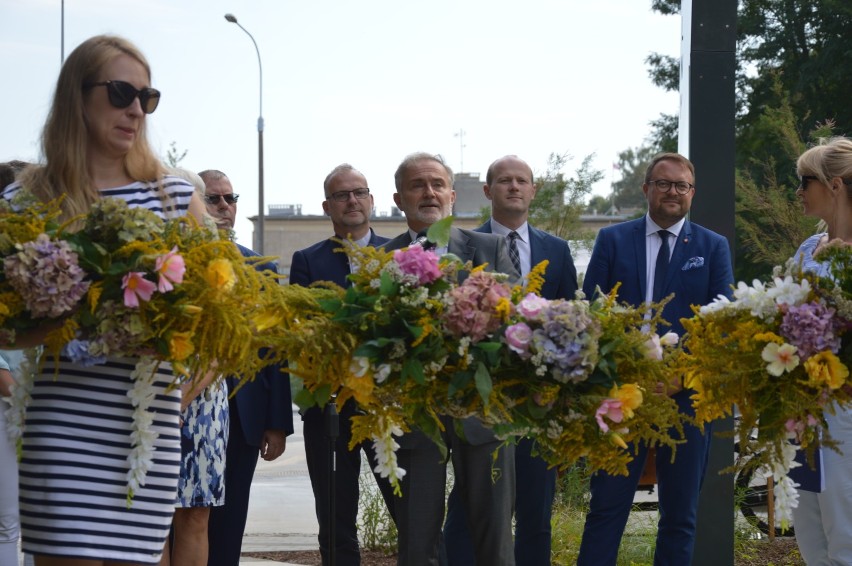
824, 520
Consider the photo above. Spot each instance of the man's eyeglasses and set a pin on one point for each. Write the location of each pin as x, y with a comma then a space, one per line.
122, 94
805, 179
343, 196
664, 186
214, 199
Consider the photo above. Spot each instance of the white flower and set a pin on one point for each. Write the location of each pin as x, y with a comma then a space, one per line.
382, 372
780, 358
142, 438
21, 395
359, 366
786, 499
653, 349
669, 339
718, 304
386, 447
554, 429
787, 291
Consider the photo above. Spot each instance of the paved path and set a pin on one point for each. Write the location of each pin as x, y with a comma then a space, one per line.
281, 509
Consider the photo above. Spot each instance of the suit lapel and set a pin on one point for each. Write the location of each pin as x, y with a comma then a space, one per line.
458, 245
639, 242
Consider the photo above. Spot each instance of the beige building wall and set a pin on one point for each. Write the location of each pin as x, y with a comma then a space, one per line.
287, 234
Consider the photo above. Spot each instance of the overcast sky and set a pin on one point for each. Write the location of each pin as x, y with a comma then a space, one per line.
360, 82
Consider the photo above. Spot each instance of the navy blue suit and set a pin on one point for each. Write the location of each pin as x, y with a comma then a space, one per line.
535, 484
320, 262
260, 405
699, 271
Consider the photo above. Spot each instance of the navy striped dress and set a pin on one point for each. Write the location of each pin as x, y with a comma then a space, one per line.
73, 472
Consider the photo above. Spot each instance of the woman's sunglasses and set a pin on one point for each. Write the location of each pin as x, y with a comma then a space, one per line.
122, 94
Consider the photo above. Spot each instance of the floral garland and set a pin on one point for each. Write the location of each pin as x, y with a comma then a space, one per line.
417, 336
781, 352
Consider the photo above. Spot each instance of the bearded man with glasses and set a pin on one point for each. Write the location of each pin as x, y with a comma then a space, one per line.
655, 256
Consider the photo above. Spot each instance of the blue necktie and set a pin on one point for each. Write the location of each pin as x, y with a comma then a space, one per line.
662, 266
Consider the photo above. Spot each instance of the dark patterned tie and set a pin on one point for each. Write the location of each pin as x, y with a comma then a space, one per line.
662, 266
513, 250
423, 242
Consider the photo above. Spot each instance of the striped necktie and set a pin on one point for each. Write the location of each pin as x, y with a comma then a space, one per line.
513, 251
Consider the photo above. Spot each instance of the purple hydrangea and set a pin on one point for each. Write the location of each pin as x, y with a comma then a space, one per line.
47, 276
811, 328
566, 340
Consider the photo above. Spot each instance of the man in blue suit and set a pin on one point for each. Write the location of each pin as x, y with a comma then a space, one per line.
349, 204
261, 412
484, 470
510, 187
698, 270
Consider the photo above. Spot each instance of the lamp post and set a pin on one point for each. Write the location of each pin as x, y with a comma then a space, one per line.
260, 212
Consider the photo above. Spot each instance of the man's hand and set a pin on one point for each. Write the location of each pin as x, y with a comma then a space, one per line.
273, 444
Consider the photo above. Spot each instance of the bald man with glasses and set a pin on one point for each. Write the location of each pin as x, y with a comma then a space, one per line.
349, 204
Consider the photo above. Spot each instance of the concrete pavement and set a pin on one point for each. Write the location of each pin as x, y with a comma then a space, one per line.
281, 509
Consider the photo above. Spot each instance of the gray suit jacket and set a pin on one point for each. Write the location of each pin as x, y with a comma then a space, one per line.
471, 246
480, 249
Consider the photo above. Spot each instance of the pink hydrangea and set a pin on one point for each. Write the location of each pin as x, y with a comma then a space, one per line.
473, 306
48, 277
417, 262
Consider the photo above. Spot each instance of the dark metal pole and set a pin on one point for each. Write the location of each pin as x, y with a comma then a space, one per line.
711, 110
332, 427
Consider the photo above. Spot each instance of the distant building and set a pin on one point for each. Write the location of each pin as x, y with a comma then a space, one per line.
470, 198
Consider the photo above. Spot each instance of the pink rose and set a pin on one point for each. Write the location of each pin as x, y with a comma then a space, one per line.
419, 263
611, 409
531, 305
518, 337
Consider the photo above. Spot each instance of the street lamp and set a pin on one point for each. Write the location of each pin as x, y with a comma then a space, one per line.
260, 214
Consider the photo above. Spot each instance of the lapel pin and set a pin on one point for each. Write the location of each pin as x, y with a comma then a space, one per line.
686, 240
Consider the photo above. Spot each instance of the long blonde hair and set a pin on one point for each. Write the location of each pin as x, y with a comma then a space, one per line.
64, 140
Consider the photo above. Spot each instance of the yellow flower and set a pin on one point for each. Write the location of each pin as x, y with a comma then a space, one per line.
180, 345
826, 369
630, 396
362, 387
267, 319
220, 274
503, 309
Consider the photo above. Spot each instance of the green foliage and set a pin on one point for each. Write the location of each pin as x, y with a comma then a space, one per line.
598, 205
627, 192
766, 200
559, 200
376, 529
174, 156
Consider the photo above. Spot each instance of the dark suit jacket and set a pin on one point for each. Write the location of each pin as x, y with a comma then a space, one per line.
480, 249
264, 404
560, 277
699, 270
320, 262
